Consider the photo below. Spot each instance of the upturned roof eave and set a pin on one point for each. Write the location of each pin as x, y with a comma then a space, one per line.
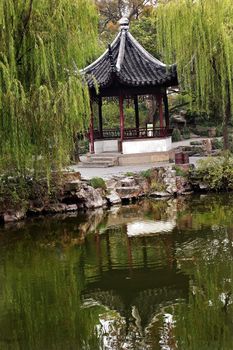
131, 65
97, 61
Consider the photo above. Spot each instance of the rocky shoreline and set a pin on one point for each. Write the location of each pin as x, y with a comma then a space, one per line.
77, 194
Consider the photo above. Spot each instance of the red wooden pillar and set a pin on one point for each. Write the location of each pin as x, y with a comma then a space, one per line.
136, 114
166, 110
121, 100
92, 148
160, 105
100, 117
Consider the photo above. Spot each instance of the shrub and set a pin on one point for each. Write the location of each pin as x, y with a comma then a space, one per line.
98, 182
201, 131
176, 135
196, 143
179, 171
83, 146
217, 144
219, 131
186, 132
216, 172
129, 173
157, 186
146, 173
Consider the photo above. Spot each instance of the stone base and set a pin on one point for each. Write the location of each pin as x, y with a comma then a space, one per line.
136, 146
144, 158
102, 146
144, 146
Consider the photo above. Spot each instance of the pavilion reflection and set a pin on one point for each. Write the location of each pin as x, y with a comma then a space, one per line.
137, 274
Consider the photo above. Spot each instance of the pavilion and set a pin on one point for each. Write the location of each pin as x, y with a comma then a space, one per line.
126, 70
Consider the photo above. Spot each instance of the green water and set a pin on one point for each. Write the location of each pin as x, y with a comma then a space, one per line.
153, 275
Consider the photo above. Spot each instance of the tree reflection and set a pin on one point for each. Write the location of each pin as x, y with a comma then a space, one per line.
84, 283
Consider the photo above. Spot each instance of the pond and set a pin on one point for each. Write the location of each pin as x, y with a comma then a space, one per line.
151, 275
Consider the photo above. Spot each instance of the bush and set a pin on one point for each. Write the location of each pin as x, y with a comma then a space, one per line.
176, 135
186, 132
179, 171
217, 144
98, 182
196, 143
201, 131
83, 146
216, 172
157, 186
219, 131
146, 173
129, 173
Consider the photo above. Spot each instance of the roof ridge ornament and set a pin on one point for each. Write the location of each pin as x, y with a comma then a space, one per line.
111, 58
124, 23
121, 53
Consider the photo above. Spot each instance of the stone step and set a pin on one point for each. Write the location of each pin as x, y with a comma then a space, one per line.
100, 159
107, 159
104, 154
96, 164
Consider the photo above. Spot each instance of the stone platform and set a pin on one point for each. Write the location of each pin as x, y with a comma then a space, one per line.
108, 159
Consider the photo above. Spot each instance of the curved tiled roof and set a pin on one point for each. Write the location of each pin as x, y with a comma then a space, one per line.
127, 62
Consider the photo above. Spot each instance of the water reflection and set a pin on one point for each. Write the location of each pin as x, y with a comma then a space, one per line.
154, 275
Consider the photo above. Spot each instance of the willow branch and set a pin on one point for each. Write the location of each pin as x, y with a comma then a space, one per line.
26, 21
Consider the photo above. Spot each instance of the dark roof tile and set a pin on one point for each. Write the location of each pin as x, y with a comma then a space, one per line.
129, 63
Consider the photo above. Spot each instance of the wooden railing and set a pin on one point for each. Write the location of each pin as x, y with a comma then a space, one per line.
132, 133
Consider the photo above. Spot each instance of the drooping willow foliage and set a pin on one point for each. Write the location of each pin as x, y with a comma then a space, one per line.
42, 102
198, 35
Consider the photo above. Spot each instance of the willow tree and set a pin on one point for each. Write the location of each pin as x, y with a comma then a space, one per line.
198, 35
42, 102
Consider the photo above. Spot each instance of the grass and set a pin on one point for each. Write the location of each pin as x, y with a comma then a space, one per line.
146, 173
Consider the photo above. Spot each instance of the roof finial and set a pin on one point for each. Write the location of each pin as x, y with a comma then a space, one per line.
124, 23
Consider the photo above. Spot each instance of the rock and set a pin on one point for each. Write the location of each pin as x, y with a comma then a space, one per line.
127, 182
178, 119
169, 180
72, 207
128, 192
207, 145
57, 208
72, 186
83, 196
183, 185
159, 182
113, 198
71, 176
160, 194
144, 185
89, 197
54, 208
111, 183
203, 186
11, 215
183, 112
34, 210
172, 188
125, 187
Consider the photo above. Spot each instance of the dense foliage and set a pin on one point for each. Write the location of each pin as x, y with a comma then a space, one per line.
42, 102
198, 36
111, 117
216, 173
